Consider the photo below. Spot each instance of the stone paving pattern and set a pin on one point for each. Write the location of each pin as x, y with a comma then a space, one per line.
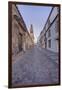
36, 66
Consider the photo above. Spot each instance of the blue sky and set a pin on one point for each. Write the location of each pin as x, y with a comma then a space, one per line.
36, 15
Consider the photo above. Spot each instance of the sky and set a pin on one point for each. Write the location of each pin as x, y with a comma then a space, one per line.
35, 15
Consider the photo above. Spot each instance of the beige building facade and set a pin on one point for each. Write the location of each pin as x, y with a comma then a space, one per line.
21, 40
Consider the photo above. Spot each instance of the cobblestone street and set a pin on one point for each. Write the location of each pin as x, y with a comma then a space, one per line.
36, 66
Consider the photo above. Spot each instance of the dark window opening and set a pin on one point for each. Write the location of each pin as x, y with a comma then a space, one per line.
49, 43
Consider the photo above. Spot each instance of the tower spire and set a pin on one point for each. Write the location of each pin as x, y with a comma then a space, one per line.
31, 32
31, 28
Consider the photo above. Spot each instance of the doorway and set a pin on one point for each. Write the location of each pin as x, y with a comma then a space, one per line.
20, 41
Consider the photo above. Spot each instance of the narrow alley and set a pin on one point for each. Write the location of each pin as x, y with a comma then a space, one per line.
36, 66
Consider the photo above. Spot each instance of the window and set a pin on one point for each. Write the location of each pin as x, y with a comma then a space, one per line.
49, 43
58, 9
57, 25
49, 33
45, 42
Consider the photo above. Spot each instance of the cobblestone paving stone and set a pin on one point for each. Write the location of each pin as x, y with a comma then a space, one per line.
36, 66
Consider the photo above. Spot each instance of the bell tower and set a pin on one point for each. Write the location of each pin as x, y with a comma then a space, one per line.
31, 32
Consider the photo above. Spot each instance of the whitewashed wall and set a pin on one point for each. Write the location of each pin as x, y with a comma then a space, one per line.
53, 28
53, 14
54, 44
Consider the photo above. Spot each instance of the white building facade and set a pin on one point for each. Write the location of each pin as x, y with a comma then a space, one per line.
49, 36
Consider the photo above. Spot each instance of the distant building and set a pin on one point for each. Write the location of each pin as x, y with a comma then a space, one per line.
32, 33
21, 39
49, 36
